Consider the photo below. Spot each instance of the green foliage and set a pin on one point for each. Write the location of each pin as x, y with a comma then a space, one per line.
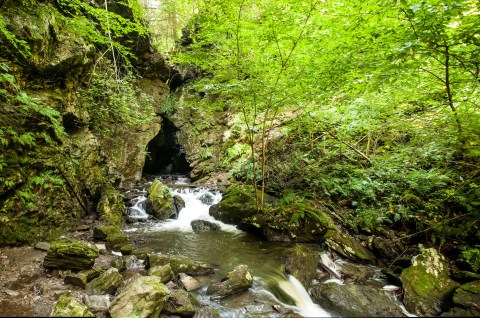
472, 257
111, 100
6, 37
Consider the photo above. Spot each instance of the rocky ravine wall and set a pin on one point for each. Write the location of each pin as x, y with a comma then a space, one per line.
91, 165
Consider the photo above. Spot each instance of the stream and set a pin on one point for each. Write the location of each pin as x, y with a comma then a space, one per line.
224, 249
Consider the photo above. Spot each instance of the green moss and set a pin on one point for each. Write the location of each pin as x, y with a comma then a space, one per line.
69, 306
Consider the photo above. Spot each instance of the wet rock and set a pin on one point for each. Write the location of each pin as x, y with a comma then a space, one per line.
188, 282
69, 306
468, 296
207, 199
385, 247
81, 278
206, 312
159, 202
179, 264
164, 272
96, 303
70, 254
119, 263
142, 296
355, 300
204, 226
179, 202
119, 242
181, 303
427, 284
356, 272
303, 263
142, 253
237, 203
235, 281
268, 310
106, 283
348, 247
101, 232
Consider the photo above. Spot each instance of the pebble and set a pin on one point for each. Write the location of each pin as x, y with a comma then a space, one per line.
11, 293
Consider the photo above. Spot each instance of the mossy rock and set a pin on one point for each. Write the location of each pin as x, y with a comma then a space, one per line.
160, 201
302, 263
164, 272
348, 247
106, 283
181, 303
238, 280
81, 278
237, 203
179, 264
427, 284
142, 296
101, 232
70, 254
110, 208
119, 242
69, 306
468, 296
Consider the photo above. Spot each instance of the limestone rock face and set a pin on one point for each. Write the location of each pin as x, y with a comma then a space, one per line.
181, 303
106, 283
355, 300
427, 283
179, 264
70, 254
143, 296
69, 306
159, 202
235, 281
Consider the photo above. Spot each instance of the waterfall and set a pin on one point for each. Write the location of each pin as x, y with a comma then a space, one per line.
137, 211
304, 304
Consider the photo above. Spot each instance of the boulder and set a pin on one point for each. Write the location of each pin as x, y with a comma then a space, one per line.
204, 226
70, 254
142, 296
101, 232
302, 263
81, 278
106, 283
353, 300
181, 303
237, 203
427, 284
119, 242
69, 306
179, 264
348, 247
188, 282
356, 272
468, 297
159, 202
164, 272
235, 281
206, 312
178, 202
96, 303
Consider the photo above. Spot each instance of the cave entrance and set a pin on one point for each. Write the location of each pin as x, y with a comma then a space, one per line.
165, 155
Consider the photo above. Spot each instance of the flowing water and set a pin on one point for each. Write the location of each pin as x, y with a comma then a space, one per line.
224, 249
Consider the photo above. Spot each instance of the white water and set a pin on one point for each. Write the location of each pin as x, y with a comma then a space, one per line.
327, 260
304, 304
137, 211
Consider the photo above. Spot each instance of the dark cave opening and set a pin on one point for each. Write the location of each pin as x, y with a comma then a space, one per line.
165, 155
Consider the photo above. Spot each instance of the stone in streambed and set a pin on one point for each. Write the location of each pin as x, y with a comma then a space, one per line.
303, 263
235, 281
207, 312
188, 282
101, 232
106, 283
355, 300
142, 296
69, 306
427, 284
81, 278
70, 254
96, 303
119, 242
204, 226
348, 247
159, 201
164, 272
179, 264
181, 303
